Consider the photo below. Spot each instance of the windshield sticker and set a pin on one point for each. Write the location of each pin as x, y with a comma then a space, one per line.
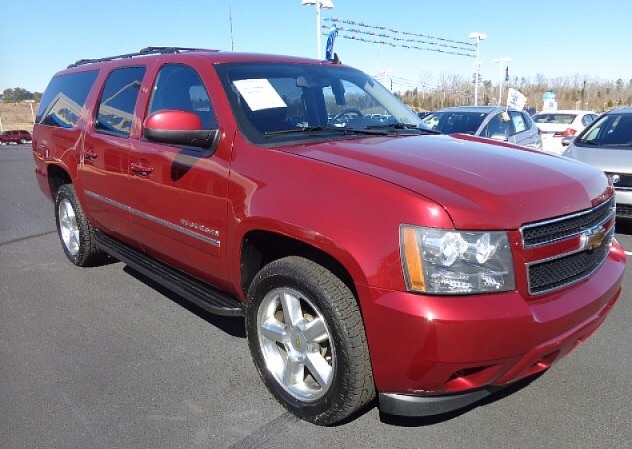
259, 94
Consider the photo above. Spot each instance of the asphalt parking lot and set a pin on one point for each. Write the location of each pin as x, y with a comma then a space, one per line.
103, 358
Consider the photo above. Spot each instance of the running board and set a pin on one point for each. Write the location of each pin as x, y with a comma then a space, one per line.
200, 293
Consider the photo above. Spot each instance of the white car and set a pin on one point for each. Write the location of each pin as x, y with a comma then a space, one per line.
555, 125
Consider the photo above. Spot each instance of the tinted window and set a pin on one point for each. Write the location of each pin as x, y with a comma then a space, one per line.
64, 98
609, 130
179, 87
118, 100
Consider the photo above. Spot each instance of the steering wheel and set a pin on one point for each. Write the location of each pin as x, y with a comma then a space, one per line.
344, 112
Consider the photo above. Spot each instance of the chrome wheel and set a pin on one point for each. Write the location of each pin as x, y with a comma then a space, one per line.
296, 344
307, 340
68, 228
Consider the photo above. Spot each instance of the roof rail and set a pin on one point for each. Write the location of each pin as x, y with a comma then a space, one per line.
142, 52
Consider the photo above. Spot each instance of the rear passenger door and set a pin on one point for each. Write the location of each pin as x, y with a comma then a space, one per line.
105, 155
178, 194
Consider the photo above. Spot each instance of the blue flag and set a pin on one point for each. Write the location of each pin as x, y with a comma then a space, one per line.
329, 51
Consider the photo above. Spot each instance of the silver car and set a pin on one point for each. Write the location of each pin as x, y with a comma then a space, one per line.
493, 122
607, 144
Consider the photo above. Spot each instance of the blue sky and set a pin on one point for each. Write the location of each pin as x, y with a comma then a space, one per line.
551, 37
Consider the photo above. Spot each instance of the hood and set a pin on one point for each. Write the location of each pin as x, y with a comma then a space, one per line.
480, 185
608, 159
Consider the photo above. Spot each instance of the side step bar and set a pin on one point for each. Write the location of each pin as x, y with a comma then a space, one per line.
200, 293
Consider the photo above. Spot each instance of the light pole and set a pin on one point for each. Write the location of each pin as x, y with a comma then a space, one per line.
479, 37
500, 61
320, 4
30, 102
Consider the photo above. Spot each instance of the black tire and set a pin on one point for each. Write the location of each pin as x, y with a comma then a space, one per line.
321, 344
75, 232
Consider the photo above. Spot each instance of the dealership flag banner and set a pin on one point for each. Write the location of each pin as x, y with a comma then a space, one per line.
515, 99
329, 50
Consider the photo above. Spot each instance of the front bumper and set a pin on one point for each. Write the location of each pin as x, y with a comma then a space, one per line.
434, 354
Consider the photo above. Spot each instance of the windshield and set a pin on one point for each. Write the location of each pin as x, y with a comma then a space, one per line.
614, 130
276, 102
450, 122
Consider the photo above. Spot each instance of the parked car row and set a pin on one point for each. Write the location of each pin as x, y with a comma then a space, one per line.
555, 125
494, 122
15, 136
606, 144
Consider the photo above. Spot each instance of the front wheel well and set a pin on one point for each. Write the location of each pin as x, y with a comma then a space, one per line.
259, 248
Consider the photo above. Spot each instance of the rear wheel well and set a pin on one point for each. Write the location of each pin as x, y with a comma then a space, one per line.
259, 248
57, 177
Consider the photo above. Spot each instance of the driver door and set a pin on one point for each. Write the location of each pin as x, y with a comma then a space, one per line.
178, 194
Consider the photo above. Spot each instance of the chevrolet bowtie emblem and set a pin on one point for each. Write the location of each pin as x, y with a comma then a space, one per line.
593, 238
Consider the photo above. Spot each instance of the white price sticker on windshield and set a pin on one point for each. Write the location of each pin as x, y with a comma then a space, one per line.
259, 94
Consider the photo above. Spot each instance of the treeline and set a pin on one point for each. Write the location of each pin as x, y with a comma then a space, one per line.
575, 92
18, 95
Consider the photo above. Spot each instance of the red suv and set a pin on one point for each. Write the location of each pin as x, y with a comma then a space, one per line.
370, 255
16, 136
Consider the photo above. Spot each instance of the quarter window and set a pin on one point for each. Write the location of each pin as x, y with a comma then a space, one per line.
64, 98
118, 100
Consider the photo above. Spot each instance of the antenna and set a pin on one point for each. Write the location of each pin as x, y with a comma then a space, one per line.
230, 19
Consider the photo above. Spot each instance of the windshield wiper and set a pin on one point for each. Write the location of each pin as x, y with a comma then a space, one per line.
316, 129
405, 126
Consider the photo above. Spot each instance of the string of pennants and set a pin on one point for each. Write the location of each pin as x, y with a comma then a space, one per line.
401, 39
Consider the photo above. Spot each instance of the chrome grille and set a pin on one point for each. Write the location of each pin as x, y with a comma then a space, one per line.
558, 273
566, 269
550, 231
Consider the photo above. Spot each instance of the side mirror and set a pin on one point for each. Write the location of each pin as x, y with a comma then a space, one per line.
179, 128
566, 141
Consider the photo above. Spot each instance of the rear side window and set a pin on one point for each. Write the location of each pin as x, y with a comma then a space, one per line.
64, 98
118, 100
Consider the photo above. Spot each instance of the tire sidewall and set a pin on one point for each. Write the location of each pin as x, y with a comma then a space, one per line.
67, 192
275, 276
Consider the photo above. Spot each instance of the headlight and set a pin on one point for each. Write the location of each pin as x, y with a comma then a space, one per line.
448, 262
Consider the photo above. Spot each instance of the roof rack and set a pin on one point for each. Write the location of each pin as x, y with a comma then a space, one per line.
142, 52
